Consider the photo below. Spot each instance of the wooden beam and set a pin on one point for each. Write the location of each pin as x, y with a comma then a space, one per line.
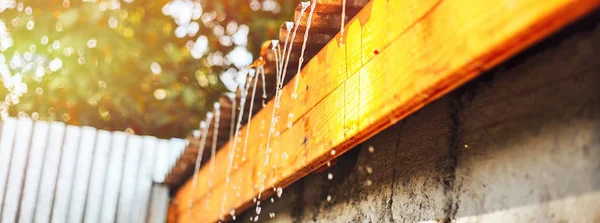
397, 57
325, 19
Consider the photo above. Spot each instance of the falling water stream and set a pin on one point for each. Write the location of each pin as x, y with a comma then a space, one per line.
277, 50
250, 115
288, 27
213, 149
343, 22
261, 70
279, 58
285, 61
204, 125
285, 57
301, 59
282, 59
244, 94
233, 99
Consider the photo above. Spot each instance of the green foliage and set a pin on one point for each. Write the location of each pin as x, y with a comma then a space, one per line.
122, 67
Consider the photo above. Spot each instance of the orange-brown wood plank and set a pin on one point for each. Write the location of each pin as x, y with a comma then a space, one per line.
397, 57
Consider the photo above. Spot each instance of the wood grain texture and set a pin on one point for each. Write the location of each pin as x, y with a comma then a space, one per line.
397, 57
325, 23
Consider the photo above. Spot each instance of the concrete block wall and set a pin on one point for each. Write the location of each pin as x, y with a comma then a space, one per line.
521, 143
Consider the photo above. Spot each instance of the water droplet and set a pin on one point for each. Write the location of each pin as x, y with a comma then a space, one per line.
91, 43
290, 118
333, 152
371, 149
330, 176
80, 52
155, 68
272, 215
294, 95
67, 51
279, 192
28, 10
14, 22
466, 146
44, 40
101, 84
328, 163
113, 22
58, 27
160, 94
66, 117
103, 6
272, 200
369, 169
30, 24
258, 209
56, 45
35, 116
368, 182
55, 64
328, 198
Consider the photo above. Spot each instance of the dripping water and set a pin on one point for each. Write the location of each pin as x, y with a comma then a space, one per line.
285, 61
204, 125
279, 58
343, 19
287, 57
250, 115
301, 59
213, 149
288, 26
261, 70
233, 99
244, 93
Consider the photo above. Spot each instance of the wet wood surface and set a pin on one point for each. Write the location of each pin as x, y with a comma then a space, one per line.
397, 56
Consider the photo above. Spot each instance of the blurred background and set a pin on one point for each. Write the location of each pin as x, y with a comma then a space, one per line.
145, 67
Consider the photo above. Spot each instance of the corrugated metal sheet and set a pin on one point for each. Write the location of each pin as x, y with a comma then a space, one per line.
52, 172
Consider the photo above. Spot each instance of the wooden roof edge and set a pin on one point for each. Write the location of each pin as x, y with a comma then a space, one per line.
396, 57
183, 168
